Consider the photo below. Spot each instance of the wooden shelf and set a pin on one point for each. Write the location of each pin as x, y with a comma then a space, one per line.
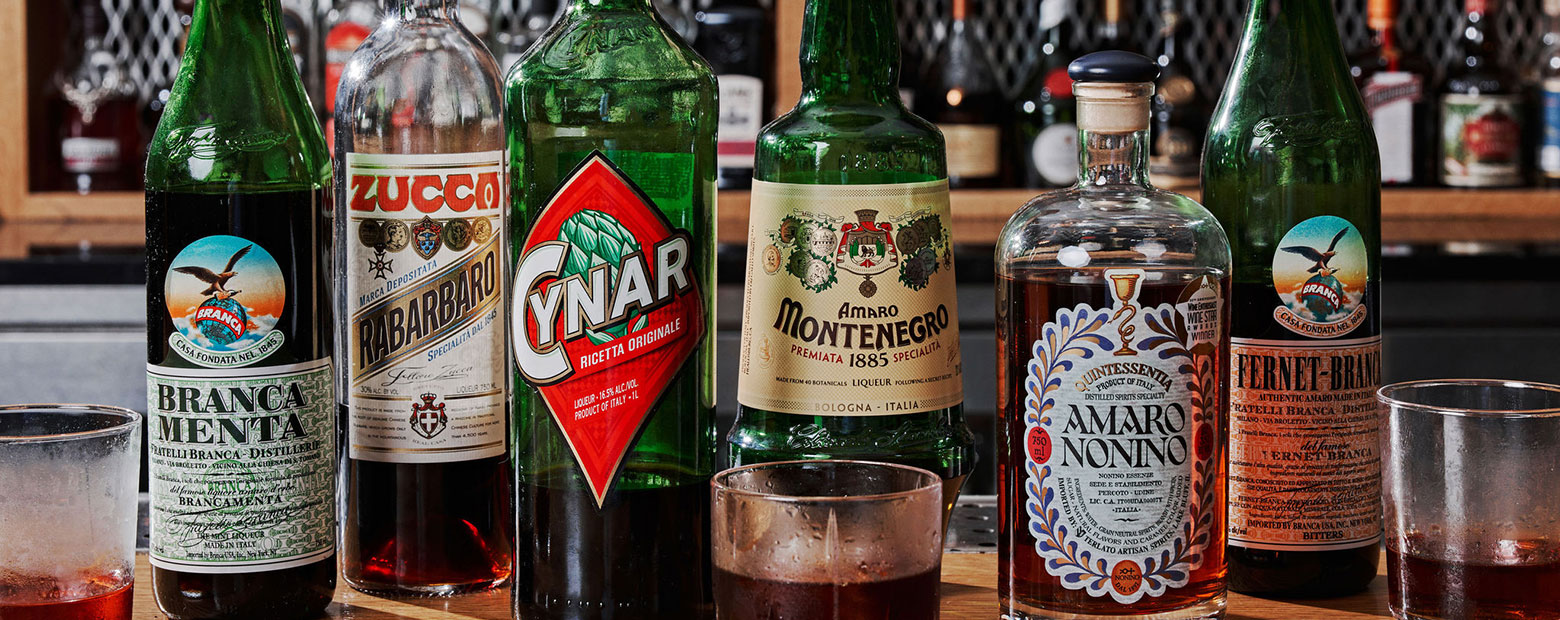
969, 592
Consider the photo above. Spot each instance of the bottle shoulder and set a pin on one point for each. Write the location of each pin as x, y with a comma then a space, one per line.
1117, 224
623, 46
433, 75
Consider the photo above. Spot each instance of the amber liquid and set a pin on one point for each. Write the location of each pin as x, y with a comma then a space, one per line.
426, 528
1024, 588
905, 598
1509, 580
33, 601
644, 555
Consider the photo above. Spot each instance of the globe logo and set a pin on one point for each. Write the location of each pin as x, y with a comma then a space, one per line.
222, 321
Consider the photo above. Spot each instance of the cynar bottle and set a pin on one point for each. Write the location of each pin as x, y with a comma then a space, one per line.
1113, 347
240, 390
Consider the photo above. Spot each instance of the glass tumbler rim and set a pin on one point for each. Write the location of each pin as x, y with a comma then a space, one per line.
129, 420
930, 482
1392, 396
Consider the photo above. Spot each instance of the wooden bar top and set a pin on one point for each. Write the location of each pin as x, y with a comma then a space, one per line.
969, 592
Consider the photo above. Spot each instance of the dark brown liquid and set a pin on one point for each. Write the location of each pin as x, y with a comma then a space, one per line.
300, 592
905, 598
644, 555
111, 605
426, 528
1024, 307
1511, 579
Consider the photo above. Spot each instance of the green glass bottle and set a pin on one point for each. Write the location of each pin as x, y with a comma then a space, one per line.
850, 331
1292, 172
611, 120
240, 389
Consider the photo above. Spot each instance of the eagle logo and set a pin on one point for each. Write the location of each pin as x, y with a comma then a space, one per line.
218, 281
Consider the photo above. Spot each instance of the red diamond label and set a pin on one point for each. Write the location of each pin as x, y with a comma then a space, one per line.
606, 309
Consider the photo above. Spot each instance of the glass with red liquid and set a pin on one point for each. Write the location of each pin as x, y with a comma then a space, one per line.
1472, 515
827, 540
68, 478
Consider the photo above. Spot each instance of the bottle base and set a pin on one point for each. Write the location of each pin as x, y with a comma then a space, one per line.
424, 590
1015, 610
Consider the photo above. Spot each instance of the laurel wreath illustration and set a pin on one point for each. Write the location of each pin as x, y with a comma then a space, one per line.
1068, 337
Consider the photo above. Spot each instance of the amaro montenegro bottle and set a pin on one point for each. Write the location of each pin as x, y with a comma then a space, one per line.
240, 389
850, 333
1291, 170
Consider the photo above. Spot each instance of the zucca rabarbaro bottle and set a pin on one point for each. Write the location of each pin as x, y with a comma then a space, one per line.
1292, 172
850, 342
421, 255
611, 121
239, 377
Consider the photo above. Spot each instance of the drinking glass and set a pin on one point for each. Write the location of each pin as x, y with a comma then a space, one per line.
827, 540
68, 478
1471, 470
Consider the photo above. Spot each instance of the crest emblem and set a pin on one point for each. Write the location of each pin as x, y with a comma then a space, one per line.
866, 249
425, 237
428, 419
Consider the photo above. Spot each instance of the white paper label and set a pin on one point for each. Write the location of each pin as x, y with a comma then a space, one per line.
741, 118
87, 155
1390, 97
1055, 154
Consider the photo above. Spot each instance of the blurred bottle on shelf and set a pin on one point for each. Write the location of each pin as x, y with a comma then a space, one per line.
346, 25
1180, 109
100, 138
527, 25
477, 17
1044, 135
1393, 83
1549, 91
1481, 109
962, 97
736, 37
299, 21
1112, 34
912, 71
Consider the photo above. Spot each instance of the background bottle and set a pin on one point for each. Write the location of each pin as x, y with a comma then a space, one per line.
346, 25
1181, 110
613, 505
877, 194
737, 38
524, 29
1044, 137
100, 139
1112, 34
1549, 94
961, 95
1291, 171
1482, 114
1393, 83
425, 478
239, 355
1100, 287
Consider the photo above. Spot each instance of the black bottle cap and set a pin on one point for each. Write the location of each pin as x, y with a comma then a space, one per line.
1113, 66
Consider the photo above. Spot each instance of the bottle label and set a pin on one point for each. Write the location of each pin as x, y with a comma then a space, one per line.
974, 151
1481, 140
1054, 154
1304, 466
1549, 155
1389, 99
1305, 471
606, 309
850, 307
1121, 417
242, 467
425, 347
89, 155
1320, 273
741, 118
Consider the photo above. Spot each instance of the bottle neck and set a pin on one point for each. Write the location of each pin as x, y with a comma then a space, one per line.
1110, 22
1479, 27
579, 7
850, 50
1306, 28
1113, 133
429, 9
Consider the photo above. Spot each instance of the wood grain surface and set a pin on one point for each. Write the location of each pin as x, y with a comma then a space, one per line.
969, 592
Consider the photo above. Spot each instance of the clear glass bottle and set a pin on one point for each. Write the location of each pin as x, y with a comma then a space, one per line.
420, 168
1113, 340
1043, 136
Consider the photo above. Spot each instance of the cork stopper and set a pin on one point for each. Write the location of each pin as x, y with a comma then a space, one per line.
1113, 90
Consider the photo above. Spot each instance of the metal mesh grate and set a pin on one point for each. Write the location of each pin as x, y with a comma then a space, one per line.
146, 32
1011, 27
